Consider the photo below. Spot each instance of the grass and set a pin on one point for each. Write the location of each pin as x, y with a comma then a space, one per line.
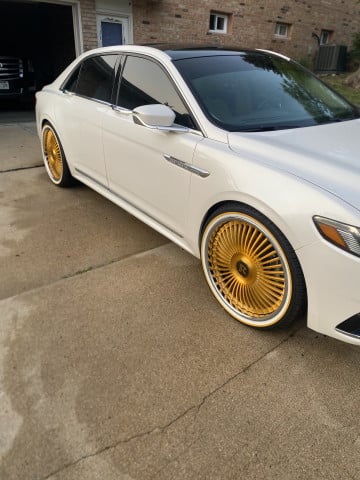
337, 82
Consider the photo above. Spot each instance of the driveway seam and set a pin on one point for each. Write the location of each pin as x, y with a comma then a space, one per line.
22, 168
89, 269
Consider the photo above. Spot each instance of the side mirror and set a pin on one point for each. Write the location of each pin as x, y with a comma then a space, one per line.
158, 117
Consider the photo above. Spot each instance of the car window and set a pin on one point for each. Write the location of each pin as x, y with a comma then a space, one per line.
144, 82
256, 92
95, 78
71, 82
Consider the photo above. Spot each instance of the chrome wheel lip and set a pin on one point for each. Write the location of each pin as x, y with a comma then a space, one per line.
49, 171
266, 320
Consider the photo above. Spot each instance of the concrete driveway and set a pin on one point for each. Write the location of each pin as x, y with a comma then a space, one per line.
117, 364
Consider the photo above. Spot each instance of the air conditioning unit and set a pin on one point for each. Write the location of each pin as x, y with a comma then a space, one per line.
331, 59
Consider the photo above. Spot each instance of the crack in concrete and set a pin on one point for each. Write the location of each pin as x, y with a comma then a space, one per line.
245, 369
229, 380
161, 429
157, 429
173, 460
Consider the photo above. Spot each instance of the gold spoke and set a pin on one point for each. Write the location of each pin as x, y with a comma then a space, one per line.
52, 154
247, 269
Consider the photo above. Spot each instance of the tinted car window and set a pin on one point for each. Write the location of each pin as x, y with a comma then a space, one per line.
96, 77
71, 83
254, 91
144, 83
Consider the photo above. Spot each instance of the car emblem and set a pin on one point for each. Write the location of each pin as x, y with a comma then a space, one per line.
243, 269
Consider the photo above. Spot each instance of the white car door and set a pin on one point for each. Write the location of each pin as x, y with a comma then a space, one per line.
89, 95
149, 168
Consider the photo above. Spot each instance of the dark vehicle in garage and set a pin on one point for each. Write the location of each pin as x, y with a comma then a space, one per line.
17, 79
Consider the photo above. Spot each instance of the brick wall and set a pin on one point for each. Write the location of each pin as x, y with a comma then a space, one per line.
252, 23
88, 22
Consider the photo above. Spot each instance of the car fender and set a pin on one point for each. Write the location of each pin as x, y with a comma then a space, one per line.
288, 201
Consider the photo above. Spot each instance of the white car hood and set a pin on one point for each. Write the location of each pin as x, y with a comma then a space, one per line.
327, 155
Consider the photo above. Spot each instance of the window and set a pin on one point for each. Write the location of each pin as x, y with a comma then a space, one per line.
111, 34
325, 37
96, 77
71, 83
112, 30
252, 91
136, 89
218, 23
282, 29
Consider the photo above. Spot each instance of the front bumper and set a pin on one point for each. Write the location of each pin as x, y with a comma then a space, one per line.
332, 280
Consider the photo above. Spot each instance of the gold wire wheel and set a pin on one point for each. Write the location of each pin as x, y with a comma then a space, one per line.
247, 269
52, 153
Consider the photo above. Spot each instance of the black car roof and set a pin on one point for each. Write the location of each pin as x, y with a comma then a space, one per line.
177, 52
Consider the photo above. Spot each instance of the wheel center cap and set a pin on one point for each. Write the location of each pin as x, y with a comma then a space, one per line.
243, 269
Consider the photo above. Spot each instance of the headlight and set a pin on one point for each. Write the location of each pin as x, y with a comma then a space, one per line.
340, 234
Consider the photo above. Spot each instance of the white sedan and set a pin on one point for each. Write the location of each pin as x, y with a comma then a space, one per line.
242, 158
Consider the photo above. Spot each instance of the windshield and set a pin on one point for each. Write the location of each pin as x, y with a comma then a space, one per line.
257, 91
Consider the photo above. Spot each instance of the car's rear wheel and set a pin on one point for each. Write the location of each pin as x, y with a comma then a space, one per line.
54, 158
251, 268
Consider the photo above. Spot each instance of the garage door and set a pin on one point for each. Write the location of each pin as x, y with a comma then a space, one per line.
41, 34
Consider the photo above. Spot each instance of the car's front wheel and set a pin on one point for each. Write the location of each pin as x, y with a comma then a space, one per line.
251, 268
54, 158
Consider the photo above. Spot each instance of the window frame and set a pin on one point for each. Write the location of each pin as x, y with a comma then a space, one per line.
124, 20
278, 26
222, 16
118, 81
327, 34
79, 67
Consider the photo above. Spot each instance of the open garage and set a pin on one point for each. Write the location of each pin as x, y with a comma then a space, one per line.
38, 38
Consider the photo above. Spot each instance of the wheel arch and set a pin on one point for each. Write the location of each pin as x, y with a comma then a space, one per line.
47, 120
261, 207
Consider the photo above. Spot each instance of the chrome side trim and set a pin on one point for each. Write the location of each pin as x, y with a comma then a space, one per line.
126, 201
187, 166
73, 94
171, 128
123, 111
92, 179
